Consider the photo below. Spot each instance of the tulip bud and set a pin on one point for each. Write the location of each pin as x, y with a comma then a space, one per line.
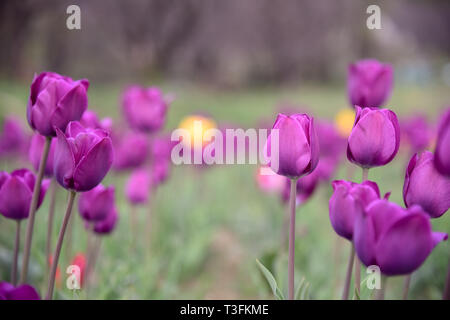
425, 186
95, 205
442, 153
397, 240
369, 83
375, 137
16, 191
138, 186
144, 108
13, 139
22, 292
35, 153
54, 101
132, 150
298, 146
348, 200
107, 225
83, 157
417, 132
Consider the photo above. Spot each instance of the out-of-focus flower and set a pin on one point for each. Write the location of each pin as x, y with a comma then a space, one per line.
375, 137
83, 157
397, 240
442, 153
138, 186
22, 292
107, 225
131, 150
57, 274
95, 205
16, 191
298, 145
54, 101
369, 83
347, 202
144, 108
332, 144
344, 120
35, 153
416, 132
270, 183
13, 139
80, 261
91, 120
197, 125
425, 186
161, 159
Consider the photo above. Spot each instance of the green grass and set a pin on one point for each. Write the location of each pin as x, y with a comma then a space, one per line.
209, 226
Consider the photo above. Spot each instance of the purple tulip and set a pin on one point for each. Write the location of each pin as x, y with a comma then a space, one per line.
54, 101
298, 145
417, 132
13, 139
425, 186
331, 143
35, 153
144, 108
369, 83
132, 150
107, 225
347, 201
397, 240
23, 292
95, 205
83, 157
138, 186
161, 159
375, 137
16, 190
91, 120
442, 153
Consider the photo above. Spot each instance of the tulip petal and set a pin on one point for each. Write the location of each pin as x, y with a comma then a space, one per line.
70, 107
93, 167
23, 292
41, 111
438, 237
64, 161
364, 239
15, 199
405, 245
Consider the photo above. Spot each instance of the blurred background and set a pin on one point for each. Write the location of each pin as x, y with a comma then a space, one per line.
239, 62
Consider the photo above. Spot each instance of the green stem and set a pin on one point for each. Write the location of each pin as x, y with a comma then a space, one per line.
32, 213
348, 277
51, 214
51, 281
291, 268
406, 286
16, 255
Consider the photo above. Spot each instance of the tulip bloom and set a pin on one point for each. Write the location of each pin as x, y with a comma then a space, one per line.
16, 190
397, 240
369, 83
425, 186
54, 101
298, 145
107, 225
23, 292
35, 153
95, 205
417, 132
132, 150
347, 202
138, 186
375, 138
83, 157
442, 153
13, 139
144, 108
91, 120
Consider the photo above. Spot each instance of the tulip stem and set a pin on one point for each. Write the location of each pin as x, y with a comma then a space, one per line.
357, 275
382, 290
32, 212
51, 214
365, 174
348, 277
16, 255
51, 280
292, 203
446, 295
406, 286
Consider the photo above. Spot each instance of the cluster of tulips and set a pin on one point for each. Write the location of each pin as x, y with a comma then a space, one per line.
395, 239
72, 148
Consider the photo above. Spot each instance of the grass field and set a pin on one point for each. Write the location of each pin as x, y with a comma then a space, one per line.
209, 226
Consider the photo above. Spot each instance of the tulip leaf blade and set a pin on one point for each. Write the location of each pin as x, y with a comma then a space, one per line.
271, 280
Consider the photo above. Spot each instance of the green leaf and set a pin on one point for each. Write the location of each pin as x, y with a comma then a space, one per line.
299, 289
271, 280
